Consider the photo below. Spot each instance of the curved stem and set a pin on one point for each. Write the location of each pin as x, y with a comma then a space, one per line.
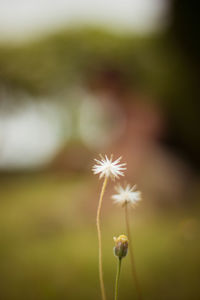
99, 239
133, 268
117, 278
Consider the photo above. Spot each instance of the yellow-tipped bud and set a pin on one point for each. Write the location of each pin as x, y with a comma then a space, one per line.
121, 246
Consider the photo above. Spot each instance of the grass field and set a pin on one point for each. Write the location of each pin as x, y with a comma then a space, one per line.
48, 243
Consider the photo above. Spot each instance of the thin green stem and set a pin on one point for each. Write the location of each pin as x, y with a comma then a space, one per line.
133, 268
117, 278
103, 294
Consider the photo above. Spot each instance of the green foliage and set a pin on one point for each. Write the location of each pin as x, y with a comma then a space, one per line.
68, 57
64, 58
154, 65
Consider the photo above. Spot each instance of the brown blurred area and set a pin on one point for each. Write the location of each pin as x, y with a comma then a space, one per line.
138, 134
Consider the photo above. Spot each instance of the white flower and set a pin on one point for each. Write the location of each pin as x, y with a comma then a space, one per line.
127, 195
108, 168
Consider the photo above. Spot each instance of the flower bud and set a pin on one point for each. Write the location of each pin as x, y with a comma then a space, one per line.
121, 246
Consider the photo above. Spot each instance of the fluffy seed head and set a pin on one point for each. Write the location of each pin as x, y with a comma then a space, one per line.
127, 195
109, 168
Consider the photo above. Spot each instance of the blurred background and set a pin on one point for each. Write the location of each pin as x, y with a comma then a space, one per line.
79, 78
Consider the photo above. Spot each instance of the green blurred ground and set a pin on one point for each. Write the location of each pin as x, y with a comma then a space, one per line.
48, 243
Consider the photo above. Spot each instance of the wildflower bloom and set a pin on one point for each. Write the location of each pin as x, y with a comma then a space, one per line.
106, 168
127, 195
109, 168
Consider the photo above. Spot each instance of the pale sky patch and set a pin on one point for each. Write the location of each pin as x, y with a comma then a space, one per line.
20, 18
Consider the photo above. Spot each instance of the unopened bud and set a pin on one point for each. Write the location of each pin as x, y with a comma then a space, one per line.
121, 246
